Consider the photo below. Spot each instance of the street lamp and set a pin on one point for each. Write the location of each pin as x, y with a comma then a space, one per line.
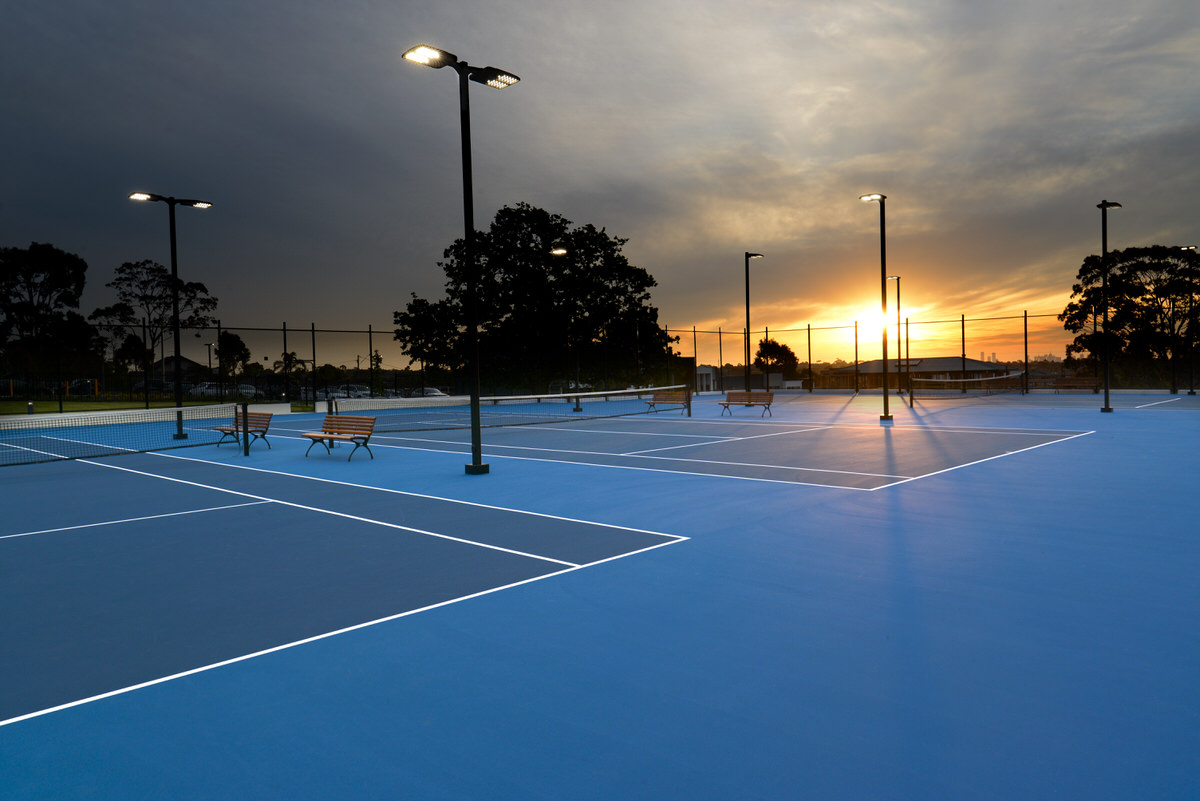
172, 202
875, 197
899, 340
497, 79
1104, 206
749, 256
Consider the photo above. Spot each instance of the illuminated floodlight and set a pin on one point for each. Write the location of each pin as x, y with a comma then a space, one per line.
142, 196
874, 196
493, 77
430, 56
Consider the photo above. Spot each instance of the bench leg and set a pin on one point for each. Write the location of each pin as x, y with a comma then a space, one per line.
358, 445
724, 409
314, 442
766, 411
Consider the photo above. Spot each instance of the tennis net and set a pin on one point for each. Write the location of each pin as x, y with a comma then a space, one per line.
970, 387
85, 435
441, 412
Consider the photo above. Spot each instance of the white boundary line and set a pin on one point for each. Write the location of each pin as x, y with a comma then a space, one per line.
1157, 403
317, 637
987, 459
132, 520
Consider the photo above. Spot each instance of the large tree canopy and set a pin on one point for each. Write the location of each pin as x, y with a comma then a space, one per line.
543, 315
40, 329
144, 296
776, 357
1153, 304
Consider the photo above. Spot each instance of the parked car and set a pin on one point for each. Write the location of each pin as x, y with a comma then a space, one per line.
425, 392
209, 389
248, 391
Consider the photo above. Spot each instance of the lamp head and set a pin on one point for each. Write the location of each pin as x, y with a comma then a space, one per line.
873, 197
893, 278
1108, 204
493, 77
750, 255
430, 56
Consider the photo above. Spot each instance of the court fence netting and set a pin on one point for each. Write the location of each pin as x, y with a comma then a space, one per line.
949, 388
86, 435
442, 412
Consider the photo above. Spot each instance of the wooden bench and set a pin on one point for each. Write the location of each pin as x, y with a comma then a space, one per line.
762, 399
668, 397
343, 428
1076, 382
256, 425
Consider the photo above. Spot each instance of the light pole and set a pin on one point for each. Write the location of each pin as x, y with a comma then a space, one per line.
749, 256
497, 79
899, 340
172, 202
1191, 345
1104, 206
875, 197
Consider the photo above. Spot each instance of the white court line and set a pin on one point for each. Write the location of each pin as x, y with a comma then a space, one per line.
421, 495
318, 637
132, 520
333, 513
1157, 403
988, 459
724, 440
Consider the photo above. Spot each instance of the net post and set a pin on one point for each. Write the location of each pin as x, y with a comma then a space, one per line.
245, 426
689, 404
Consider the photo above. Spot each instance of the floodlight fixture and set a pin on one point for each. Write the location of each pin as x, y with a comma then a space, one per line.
749, 256
876, 197
1104, 206
497, 78
172, 202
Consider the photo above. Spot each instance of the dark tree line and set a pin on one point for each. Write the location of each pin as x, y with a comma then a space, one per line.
44, 338
1153, 303
556, 304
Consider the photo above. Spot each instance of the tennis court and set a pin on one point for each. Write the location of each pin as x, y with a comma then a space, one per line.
986, 598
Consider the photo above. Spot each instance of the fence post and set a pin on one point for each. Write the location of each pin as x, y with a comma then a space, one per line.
963, 339
856, 357
245, 421
810, 372
1025, 383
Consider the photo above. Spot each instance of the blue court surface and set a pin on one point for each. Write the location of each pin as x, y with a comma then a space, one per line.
994, 598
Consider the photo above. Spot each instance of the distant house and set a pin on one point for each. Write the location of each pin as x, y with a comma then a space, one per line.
165, 369
870, 373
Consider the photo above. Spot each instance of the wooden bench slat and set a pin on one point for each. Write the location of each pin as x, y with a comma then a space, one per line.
343, 428
256, 423
666, 397
742, 398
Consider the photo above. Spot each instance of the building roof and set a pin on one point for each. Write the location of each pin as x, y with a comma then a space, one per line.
932, 364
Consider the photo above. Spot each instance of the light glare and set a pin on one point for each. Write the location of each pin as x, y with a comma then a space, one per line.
139, 196
424, 54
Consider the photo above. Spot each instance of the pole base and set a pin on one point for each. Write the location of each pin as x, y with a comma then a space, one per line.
477, 469
1106, 408
885, 418
181, 436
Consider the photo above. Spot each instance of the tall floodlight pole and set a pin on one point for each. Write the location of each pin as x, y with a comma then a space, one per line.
172, 202
497, 79
1104, 206
875, 197
749, 256
899, 340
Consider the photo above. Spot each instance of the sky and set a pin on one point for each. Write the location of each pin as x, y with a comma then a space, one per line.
696, 130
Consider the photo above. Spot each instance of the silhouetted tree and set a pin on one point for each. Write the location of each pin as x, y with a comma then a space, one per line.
775, 357
541, 316
41, 332
1153, 306
232, 352
144, 294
